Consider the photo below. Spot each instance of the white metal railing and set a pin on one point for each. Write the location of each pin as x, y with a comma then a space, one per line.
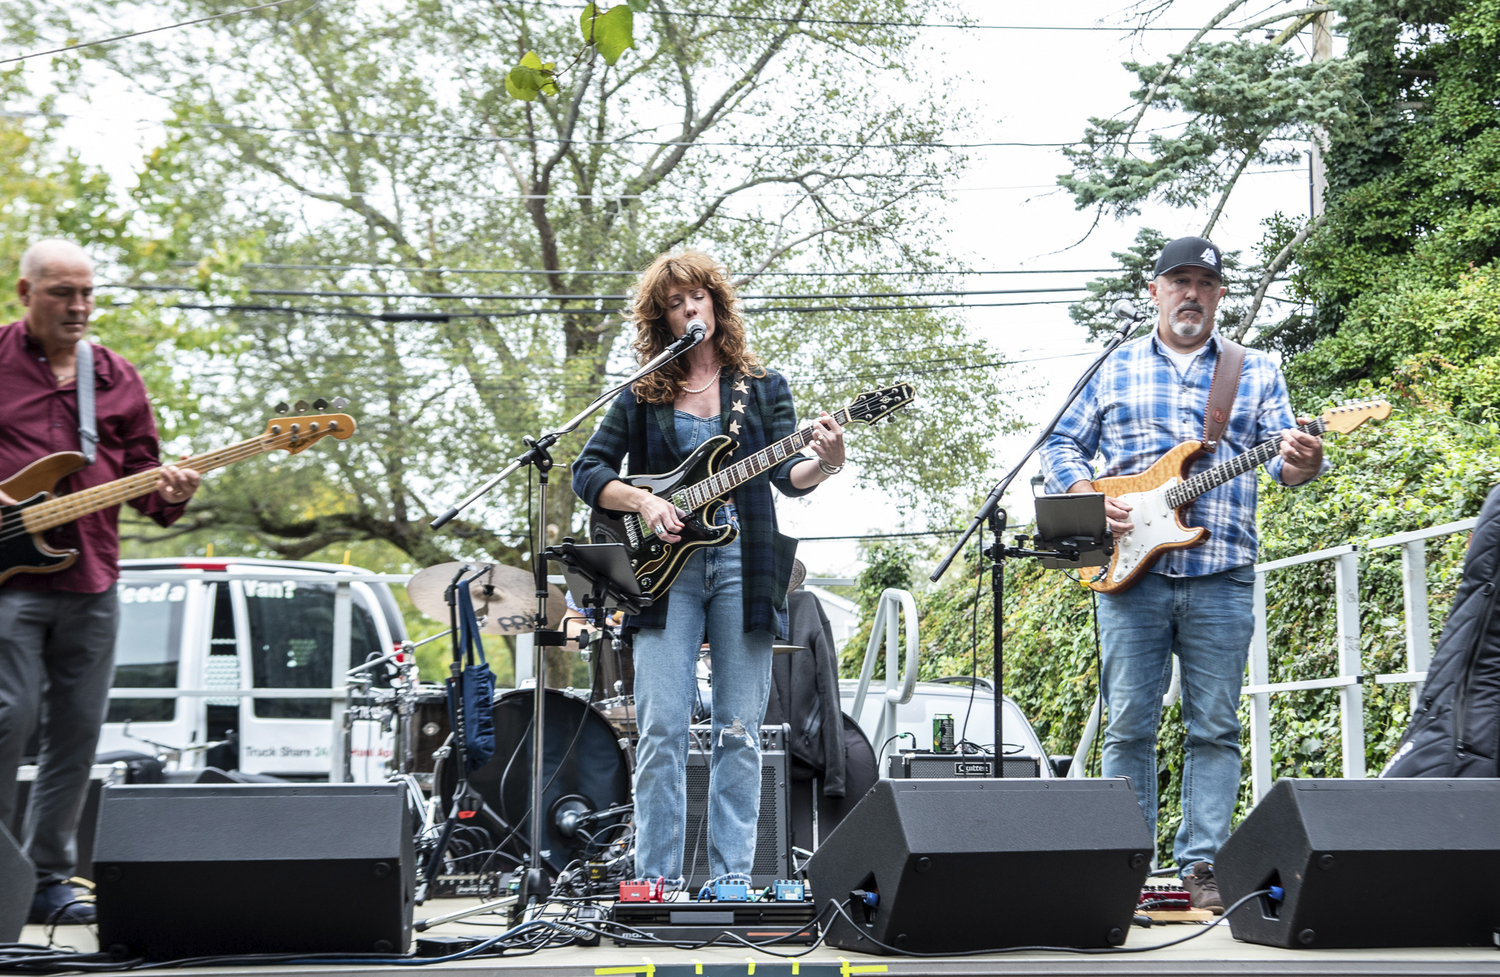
899, 682
1350, 678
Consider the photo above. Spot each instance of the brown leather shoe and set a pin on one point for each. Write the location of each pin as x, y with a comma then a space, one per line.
1203, 888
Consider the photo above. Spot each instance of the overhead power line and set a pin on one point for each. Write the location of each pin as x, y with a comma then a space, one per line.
407, 316
852, 272
895, 23
152, 30
557, 140
479, 296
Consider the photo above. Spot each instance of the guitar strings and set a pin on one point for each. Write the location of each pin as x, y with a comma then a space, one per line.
742, 471
1204, 481
133, 486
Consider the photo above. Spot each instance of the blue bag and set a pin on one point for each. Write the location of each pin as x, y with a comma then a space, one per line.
478, 688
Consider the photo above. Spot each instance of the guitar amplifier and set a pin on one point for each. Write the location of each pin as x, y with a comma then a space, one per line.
955, 766
772, 837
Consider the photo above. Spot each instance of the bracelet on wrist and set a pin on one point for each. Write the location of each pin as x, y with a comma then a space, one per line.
829, 469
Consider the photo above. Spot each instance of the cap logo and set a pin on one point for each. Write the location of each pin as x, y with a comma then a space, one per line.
1208, 256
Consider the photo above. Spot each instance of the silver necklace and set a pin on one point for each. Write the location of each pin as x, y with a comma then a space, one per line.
687, 389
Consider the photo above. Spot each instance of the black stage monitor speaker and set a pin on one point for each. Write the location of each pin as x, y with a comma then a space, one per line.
976, 864
17, 886
1368, 863
203, 870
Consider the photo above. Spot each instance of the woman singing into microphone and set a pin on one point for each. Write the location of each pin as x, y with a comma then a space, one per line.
733, 595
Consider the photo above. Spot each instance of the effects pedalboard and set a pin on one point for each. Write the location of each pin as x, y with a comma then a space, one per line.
783, 911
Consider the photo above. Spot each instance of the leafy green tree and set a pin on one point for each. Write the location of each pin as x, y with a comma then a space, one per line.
333, 168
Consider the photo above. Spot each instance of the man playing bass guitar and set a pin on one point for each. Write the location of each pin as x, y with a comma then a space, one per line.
57, 630
734, 594
1196, 603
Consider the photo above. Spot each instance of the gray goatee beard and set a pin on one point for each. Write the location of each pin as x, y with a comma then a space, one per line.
1185, 329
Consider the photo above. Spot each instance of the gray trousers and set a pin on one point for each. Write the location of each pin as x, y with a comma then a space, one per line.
57, 653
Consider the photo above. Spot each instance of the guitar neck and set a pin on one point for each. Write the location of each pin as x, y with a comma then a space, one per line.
723, 482
66, 508
1185, 492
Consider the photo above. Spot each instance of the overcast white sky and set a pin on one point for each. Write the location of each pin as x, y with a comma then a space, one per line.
1005, 213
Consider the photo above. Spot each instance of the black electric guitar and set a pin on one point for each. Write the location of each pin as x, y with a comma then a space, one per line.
698, 486
22, 549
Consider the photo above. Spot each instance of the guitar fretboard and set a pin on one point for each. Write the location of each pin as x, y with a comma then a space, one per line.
66, 508
724, 481
1185, 492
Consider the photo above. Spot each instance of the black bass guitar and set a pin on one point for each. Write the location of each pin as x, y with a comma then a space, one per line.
22, 548
699, 484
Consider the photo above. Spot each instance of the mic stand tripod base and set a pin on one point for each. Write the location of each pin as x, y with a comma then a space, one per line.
423, 925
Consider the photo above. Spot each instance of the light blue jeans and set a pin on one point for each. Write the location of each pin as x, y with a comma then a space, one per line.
706, 599
1207, 623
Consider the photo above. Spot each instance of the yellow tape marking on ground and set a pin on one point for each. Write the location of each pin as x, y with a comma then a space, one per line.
845, 969
751, 971
697, 966
648, 969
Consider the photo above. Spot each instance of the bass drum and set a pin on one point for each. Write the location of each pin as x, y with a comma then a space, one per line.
585, 769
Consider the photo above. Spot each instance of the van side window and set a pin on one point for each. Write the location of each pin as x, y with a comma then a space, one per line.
147, 648
291, 642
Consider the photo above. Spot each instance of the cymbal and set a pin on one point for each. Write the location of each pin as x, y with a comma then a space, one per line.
504, 597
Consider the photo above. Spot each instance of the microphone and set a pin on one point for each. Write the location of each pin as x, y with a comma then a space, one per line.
697, 330
1129, 315
1126, 309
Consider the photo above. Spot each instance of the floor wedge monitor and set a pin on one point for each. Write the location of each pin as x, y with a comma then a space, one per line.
1367, 863
209, 869
944, 866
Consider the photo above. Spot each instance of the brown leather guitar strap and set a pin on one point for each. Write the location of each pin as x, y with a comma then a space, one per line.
1221, 391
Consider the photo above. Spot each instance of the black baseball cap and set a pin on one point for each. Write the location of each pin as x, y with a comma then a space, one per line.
1199, 252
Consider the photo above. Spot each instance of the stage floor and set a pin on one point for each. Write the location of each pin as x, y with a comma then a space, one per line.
1214, 953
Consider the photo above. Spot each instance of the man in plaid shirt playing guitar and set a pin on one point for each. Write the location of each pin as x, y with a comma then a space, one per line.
1196, 603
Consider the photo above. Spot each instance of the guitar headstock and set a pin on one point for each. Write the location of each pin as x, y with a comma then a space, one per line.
296, 434
1346, 417
872, 405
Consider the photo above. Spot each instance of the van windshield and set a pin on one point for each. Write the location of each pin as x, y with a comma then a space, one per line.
147, 648
291, 642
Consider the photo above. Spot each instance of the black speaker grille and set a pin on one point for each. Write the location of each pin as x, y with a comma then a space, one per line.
770, 845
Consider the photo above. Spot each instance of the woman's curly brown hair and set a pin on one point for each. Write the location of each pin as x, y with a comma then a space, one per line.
685, 269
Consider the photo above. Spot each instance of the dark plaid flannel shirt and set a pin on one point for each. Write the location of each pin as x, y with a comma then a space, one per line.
647, 434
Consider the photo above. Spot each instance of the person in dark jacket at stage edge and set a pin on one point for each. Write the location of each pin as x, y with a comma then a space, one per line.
1456, 730
734, 595
57, 630
1195, 603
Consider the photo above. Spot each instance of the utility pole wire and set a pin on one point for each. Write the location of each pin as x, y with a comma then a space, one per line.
153, 30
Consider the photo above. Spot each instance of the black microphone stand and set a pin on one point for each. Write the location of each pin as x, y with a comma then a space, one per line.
991, 512
538, 455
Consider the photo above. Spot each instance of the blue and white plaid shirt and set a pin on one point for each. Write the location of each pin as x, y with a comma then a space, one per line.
1138, 407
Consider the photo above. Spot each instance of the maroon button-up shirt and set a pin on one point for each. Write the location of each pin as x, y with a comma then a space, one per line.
37, 418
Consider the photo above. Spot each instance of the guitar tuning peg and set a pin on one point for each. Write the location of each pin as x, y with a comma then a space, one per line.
340, 403
302, 405
320, 404
282, 407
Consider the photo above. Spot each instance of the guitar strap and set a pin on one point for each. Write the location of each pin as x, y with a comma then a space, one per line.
1221, 391
88, 431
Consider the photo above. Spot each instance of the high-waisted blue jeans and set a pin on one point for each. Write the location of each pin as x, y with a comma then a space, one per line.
707, 598
1207, 623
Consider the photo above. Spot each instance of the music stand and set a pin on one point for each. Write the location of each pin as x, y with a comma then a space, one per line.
599, 575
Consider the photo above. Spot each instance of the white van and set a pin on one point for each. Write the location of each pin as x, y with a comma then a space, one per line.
268, 625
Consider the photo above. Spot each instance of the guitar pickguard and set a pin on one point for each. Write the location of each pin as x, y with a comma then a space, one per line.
1156, 526
24, 552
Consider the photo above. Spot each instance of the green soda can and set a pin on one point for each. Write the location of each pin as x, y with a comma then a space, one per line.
942, 733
